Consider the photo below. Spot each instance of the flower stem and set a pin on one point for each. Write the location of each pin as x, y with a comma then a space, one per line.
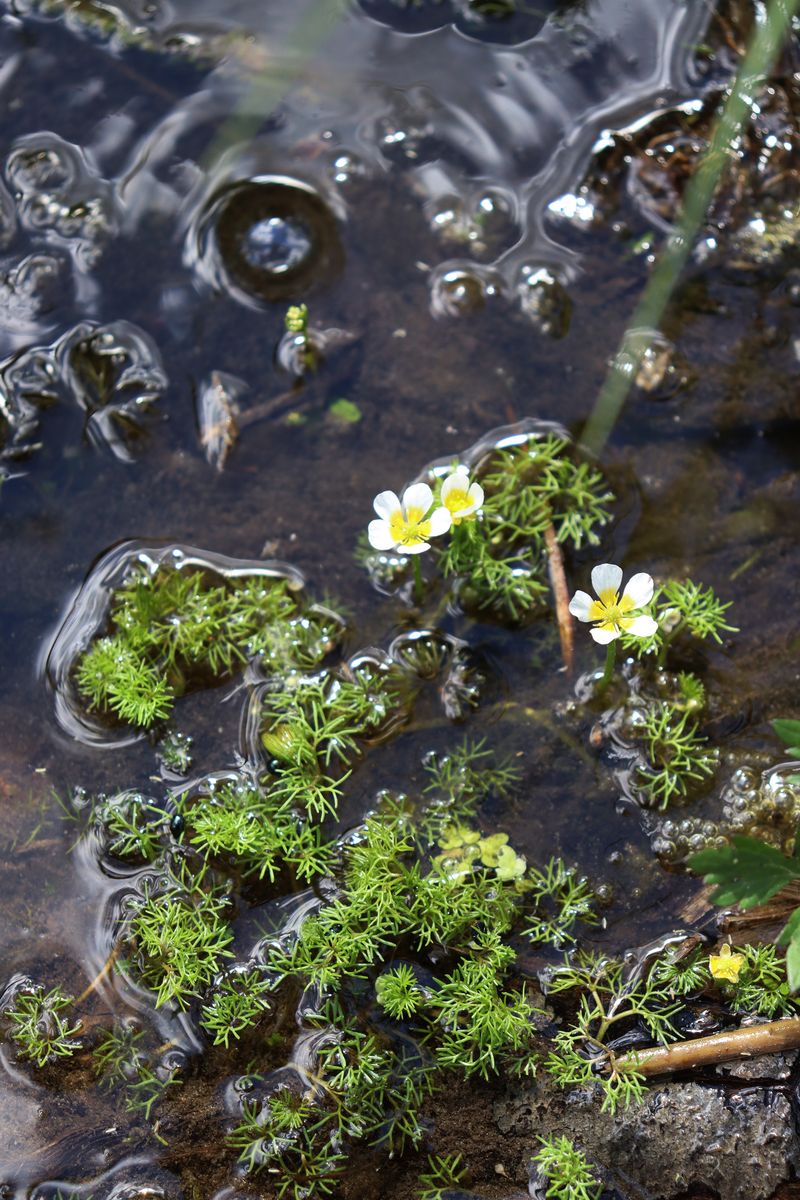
611, 658
419, 587
668, 640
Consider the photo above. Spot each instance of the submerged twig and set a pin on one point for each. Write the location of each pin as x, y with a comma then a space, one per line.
558, 580
748, 1042
104, 971
268, 408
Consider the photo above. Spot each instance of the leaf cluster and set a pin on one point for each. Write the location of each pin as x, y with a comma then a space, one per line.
678, 756
172, 629
388, 899
121, 1061
559, 898
681, 606
257, 828
132, 824
568, 1173
281, 1139
459, 782
177, 938
312, 732
610, 995
444, 1172
238, 1000
376, 1092
500, 558
747, 873
37, 1024
364, 1092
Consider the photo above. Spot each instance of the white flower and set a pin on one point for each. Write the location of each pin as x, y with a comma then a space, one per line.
407, 524
460, 497
612, 613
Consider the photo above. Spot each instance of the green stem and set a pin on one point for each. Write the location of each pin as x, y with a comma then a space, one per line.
611, 658
419, 586
697, 197
669, 638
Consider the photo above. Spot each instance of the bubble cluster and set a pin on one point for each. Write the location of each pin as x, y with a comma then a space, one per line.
764, 805
57, 191
674, 841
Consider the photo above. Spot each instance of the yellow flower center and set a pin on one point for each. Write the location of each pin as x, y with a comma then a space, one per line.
457, 499
410, 529
609, 611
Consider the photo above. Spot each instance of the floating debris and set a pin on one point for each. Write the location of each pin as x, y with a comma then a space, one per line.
217, 408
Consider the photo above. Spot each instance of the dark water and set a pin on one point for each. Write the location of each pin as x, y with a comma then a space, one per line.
438, 185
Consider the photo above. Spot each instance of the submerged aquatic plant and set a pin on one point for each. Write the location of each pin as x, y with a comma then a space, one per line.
608, 994
177, 938
120, 1060
404, 955
560, 898
677, 754
239, 1000
681, 606
173, 629
36, 1023
500, 516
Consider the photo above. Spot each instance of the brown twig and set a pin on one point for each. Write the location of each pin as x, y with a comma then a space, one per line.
104, 971
558, 580
268, 408
747, 1042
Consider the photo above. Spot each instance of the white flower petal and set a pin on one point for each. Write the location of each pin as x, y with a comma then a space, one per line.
417, 548
457, 479
641, 626
440, 521
386, 504
419, 496
580, 605
475, 494
380, 536
604, 636
639, 589
453, 481
606, 577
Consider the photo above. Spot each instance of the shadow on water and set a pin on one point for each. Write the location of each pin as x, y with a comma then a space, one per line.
445, 185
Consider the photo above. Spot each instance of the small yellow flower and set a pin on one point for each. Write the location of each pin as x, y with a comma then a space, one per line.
408, 524
613, 614
726, 965
461, 498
